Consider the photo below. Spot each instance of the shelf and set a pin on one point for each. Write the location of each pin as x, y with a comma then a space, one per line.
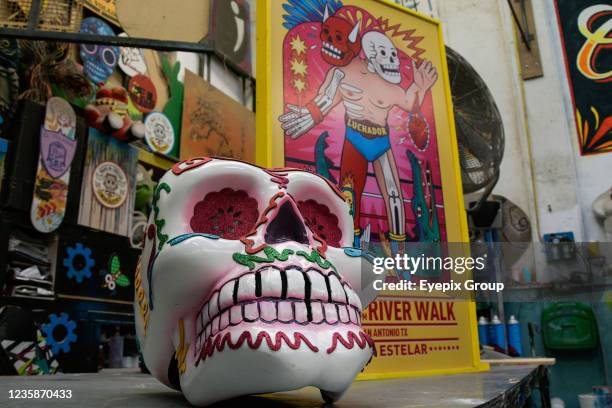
156, 160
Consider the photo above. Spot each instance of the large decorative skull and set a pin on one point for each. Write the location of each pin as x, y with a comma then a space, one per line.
99, 61
382, 55
340, 40
247, 283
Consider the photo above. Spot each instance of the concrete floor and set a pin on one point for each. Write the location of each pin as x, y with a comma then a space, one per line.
129, 388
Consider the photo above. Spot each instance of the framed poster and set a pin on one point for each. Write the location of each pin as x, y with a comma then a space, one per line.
357, 91
585, 27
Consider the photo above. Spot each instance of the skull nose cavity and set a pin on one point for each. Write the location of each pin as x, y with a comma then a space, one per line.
286, 226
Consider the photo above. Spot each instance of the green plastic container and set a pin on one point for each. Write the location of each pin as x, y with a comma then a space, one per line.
569, 326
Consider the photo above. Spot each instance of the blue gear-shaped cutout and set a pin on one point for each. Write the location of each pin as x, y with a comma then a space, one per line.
63, 344
85, 271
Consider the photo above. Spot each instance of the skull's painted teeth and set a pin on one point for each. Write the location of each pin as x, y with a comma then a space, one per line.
284, 311
246, 288
318, 286
316, 309
281, 311
213, 305
296, 284
250, 312
335, 289
267, 311
271, 285
236, 314
343, 314
234, 302
352, 298
331, 313
301, 313
226, 295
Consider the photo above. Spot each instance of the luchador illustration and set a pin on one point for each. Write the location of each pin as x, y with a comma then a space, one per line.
358, 110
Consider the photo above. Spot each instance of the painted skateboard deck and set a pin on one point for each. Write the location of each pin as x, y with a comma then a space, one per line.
57, 149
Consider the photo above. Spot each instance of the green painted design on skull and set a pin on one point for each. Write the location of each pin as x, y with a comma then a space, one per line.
160, 223
270, 253
315, 257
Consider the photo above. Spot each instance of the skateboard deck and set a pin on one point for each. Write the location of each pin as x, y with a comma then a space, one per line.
57, 148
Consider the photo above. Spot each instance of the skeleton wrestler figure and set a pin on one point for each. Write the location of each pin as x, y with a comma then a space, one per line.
368, 89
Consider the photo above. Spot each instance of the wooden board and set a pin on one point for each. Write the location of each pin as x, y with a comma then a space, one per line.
214, 124
521, 361
105, 149
531, 63
164, 20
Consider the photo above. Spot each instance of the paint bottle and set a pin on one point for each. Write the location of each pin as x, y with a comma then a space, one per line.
483, 331
497, 334
515, 348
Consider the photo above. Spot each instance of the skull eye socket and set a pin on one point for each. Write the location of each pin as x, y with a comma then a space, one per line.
109, 57
90, 48
325, 30
228, 214
321, 221
383, 53
339, 38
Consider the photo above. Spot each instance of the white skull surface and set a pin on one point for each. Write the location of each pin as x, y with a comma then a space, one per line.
382, 55
247, 283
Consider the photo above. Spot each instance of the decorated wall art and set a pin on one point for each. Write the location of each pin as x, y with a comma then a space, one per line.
131, 60
57, 149
231, 31
108, 184
99, 61
57, 343
142, 93
357, 91
174, 107
214, 124
159, 133
96, 267
585, 27
30, 358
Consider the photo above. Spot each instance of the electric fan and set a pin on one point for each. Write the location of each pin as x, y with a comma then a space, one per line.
480, 132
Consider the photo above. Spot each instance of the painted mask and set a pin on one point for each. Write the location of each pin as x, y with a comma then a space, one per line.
247, 283
340, 40
382, 56
99, 61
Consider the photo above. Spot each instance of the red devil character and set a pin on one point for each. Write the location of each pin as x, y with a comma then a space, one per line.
341, 41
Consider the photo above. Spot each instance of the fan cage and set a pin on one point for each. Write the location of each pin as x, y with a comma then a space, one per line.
55, 15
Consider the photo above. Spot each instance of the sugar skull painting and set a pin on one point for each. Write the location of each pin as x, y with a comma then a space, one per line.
248, 283
99, 61
358, 109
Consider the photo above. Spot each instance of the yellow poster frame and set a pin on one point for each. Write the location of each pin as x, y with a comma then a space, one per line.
270, 153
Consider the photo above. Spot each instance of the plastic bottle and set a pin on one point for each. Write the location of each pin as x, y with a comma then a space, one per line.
483, 331
497, 334
515, 348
